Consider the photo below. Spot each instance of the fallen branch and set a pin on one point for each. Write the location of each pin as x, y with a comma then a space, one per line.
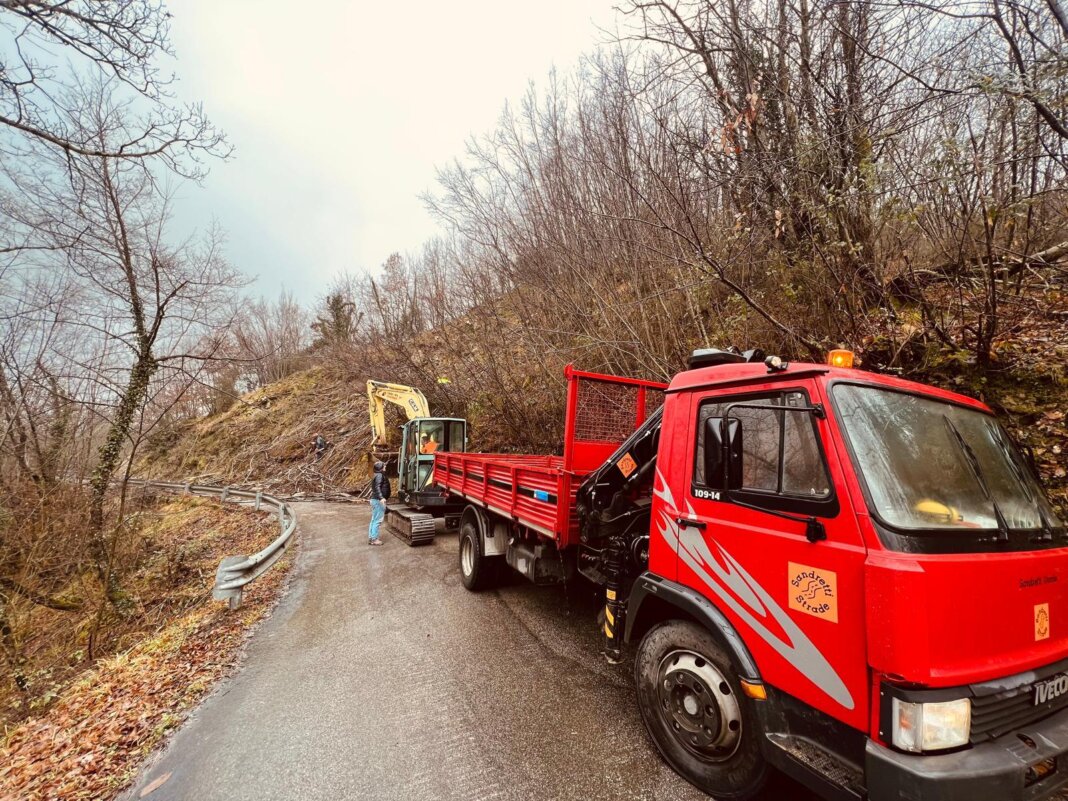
907, 285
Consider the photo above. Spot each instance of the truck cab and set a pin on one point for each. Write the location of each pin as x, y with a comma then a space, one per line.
861, 572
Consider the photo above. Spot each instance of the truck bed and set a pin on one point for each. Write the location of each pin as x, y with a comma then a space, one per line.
526, 488
538, 492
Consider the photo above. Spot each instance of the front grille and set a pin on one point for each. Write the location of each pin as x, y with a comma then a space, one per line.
1000, 713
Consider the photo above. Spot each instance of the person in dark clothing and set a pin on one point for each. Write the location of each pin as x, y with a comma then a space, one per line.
380, 491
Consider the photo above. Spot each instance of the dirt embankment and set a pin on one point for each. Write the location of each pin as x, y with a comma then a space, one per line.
265, 440
82, 727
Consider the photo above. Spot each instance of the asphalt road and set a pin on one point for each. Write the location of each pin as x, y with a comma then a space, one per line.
379, 677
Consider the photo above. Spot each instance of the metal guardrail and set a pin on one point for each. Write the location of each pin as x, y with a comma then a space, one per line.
236, 571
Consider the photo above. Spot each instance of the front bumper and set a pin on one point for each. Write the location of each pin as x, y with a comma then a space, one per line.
991, 771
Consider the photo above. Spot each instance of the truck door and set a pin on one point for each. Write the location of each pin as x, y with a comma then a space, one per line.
746, 540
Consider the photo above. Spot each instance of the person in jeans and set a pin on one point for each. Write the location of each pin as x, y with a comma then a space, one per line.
379, 494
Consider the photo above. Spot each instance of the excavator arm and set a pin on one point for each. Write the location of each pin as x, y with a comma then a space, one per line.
379, 393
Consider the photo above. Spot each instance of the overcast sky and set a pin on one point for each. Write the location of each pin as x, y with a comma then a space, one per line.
341, 111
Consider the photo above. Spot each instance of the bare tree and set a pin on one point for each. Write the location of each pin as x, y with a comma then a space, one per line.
1025, 46
270, 340
119, 42
103, 220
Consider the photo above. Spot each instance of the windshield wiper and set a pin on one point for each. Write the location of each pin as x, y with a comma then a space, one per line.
977, 469
1021, 476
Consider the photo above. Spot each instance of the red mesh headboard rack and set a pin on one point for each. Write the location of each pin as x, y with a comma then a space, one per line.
602, 411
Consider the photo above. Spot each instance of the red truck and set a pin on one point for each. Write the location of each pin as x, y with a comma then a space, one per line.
850, 577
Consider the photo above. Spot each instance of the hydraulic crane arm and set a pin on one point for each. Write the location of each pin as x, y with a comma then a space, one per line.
379, 393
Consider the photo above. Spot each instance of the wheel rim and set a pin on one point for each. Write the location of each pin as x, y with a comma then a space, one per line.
467, 555
698, 706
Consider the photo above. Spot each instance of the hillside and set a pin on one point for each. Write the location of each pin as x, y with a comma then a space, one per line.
265, 440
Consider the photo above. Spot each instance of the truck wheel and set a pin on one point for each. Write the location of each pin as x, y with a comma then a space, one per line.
692, 706
477, 571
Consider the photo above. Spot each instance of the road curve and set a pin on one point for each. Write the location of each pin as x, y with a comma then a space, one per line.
379, 677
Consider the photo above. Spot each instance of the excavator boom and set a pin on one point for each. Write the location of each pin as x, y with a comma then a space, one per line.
379, 393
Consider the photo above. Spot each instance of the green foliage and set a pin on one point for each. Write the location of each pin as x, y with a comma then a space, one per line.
336, 323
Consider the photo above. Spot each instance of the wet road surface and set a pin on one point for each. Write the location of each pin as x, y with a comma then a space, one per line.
379, 677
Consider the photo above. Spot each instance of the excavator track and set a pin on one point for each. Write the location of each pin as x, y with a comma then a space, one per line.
414, 528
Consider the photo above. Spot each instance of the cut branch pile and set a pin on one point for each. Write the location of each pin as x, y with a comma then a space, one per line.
266, 441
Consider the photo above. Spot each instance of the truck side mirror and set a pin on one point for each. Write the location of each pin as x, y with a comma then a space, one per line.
723, 453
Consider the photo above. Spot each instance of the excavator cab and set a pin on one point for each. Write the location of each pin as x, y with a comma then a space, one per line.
420, 440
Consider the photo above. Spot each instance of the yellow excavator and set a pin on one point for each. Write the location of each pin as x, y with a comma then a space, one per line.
419, 505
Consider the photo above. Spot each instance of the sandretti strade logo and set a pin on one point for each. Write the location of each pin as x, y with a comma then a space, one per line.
1041, 622
814, 591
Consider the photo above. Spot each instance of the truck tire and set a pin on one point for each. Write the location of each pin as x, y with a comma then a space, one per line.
477, 571
692, 705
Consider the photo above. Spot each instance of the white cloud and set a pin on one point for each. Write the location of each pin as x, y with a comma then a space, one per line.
340, 113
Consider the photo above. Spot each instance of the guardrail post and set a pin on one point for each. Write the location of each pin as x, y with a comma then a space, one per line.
225, 492
223, 576
259, 499
185, 489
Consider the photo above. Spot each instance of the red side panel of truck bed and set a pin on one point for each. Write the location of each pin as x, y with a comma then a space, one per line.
534, 490
539, 491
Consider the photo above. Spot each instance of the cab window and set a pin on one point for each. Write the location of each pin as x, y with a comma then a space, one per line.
457, 436
780, 450
430, 436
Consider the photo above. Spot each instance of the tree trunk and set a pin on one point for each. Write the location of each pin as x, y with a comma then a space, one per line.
110, 455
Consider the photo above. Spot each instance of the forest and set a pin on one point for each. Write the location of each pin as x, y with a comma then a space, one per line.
791, 175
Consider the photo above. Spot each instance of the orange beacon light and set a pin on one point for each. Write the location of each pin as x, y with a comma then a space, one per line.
840, 358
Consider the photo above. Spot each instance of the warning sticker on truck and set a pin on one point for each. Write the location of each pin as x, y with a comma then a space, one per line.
627, 465
1041, 622
814, 591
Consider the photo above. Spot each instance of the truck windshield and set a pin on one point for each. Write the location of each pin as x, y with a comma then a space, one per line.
933, 465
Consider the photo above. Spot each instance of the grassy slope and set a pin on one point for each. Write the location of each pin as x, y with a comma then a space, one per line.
85, 726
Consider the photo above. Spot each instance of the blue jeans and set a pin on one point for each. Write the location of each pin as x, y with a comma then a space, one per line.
378, 511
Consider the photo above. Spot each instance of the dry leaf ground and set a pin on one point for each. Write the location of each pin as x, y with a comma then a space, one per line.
88, 744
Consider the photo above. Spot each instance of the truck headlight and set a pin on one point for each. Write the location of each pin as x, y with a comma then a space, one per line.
932, 726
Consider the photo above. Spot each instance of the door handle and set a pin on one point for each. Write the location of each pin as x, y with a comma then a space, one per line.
698, 524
